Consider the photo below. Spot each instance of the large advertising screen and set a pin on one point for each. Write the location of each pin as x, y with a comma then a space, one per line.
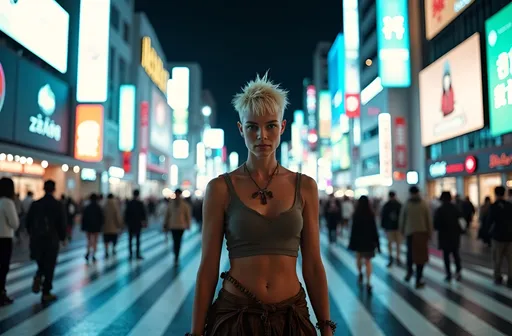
451, 102
42, 109
393, 43
8, 89
41, 26
93, 51
498, 31
439, 13
160, 124
336, 66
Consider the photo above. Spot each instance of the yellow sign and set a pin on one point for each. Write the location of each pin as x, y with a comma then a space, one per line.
154, 65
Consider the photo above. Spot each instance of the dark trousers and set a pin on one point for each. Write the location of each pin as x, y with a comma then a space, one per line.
5, 260
177, 235
332, 226
456, 258
46, 262
131, 234
419, 268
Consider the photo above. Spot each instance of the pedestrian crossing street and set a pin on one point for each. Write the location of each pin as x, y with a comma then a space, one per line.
154, 297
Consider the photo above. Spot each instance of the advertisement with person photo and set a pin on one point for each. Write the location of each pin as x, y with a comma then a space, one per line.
451, 101
8, 79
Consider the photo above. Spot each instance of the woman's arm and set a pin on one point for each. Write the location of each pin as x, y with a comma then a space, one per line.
215, 201
312, 266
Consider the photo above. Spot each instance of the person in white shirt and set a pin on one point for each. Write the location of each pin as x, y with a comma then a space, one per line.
9, 223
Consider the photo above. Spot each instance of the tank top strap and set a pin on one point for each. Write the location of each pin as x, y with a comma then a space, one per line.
229, 183
297, 187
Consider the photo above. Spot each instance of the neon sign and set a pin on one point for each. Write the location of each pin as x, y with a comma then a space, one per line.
502, 160
442, 168
45, 126
154, 65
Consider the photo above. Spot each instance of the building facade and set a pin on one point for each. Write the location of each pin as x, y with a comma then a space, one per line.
468, 143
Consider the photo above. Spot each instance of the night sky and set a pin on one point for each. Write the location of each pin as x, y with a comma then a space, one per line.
234, 40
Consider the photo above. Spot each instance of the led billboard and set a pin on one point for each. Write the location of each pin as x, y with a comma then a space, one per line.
439, 13
499, 70
160, 136
451, 102
93, 51
178, 97
41, 26
89, 133
127, 118
393, 43
336, 67
8, 88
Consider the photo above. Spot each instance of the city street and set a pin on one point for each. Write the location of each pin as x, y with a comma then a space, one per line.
154, 297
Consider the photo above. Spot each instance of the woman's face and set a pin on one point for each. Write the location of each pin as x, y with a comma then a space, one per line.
446, 82
262, 134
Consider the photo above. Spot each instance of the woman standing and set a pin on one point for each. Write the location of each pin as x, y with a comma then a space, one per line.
266, 212
177, 219
113, 224
9, 223
364, 239
92, 222
447, 223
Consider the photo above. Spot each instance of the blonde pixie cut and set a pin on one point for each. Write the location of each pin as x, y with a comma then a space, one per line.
259, 97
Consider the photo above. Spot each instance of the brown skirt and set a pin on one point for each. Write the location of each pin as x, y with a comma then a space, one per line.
232, 315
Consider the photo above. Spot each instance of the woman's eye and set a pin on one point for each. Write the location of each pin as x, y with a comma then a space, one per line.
251, 127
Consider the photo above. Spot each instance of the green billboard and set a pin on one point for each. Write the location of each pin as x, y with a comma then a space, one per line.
499, 70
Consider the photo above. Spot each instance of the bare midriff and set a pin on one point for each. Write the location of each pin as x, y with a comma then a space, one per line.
271, 278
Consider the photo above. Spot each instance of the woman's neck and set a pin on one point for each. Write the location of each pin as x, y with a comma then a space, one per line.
262, 167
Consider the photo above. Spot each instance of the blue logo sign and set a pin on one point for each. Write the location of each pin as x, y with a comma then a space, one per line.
393, 43
336, 75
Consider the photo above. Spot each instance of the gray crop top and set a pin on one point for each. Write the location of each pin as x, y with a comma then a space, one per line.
249, 233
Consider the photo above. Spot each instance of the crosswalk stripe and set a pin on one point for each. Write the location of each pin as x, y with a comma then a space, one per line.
107, 313
60, 308
175, 293
63, 258
409, 318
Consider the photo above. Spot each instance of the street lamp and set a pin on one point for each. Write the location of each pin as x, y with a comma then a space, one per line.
207, 111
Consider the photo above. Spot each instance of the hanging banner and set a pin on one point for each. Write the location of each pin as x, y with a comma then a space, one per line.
400, 143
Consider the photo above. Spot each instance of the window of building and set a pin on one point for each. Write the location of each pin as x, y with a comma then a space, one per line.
122, 71
112, 64
126, 32
114, 17
371, 164
371, 133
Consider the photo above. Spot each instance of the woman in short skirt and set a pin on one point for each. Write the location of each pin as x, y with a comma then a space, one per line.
266, 213
364, 239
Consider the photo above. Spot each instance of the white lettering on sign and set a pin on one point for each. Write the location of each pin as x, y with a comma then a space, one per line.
385, 147
393, 26
88, 139
437, 169
45, 127
503, 91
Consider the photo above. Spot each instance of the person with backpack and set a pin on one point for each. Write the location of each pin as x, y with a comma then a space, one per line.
389, 222
46, 226
499, 221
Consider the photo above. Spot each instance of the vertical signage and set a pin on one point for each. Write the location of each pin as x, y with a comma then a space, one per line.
324, 115
178, 97
144, 126
352, 71
385, 149
93, 51
499, 69
126, 118
311, 106
400, 143
393, 43
89, 133
336, 73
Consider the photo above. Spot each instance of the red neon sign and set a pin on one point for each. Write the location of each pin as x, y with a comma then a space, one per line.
502, 160
470, 164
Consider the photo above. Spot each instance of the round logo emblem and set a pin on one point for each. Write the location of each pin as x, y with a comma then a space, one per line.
2, 87
470, 164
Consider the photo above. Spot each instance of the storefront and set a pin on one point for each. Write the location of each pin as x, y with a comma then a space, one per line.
474, 175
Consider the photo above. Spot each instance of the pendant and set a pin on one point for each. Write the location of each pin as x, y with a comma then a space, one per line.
263, 194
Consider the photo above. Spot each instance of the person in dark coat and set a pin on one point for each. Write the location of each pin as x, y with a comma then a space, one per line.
447, 224
483, 231
468, 212
332, 213
92, 224
46, 226
364, 238
135, 218
390, 215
